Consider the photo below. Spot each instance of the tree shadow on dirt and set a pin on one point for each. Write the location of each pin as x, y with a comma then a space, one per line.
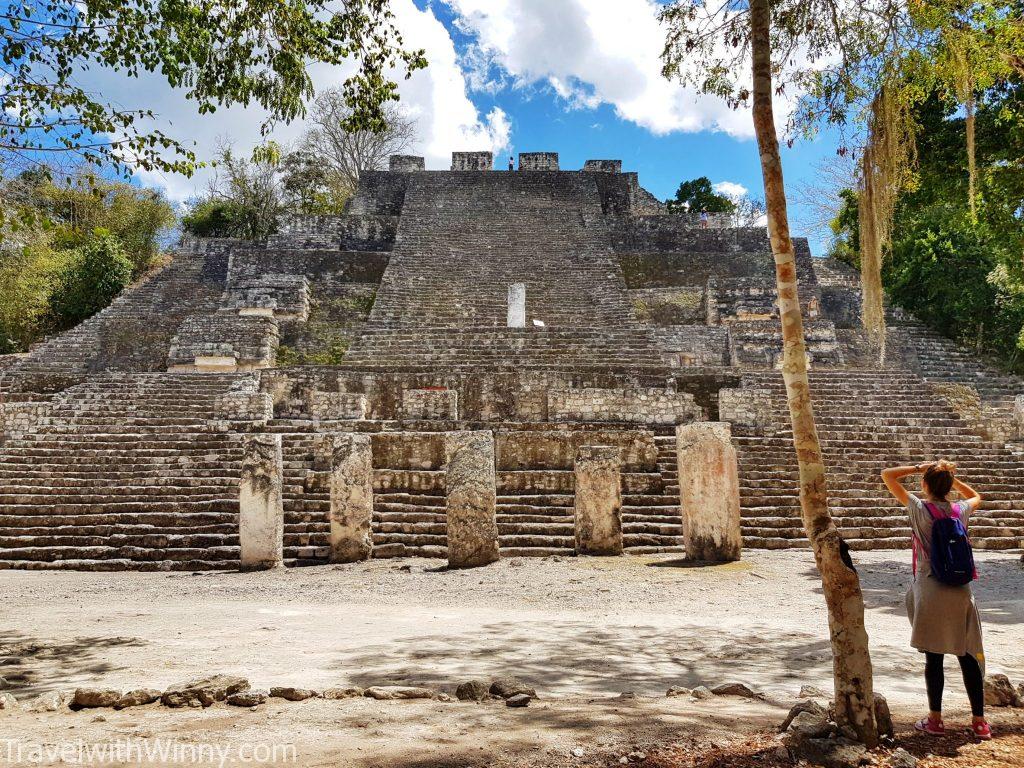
885, 584
33, 665
584, 659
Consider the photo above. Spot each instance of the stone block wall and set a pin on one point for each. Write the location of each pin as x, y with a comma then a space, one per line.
472, 161
748, 409
603, 166
538, 161
235, 342
19, 418
684, 346
336, 405
405, 163
556, 447
637, 406
277, 295
430, 404
683, 305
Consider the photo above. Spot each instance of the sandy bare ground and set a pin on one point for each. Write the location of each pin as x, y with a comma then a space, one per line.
582, 631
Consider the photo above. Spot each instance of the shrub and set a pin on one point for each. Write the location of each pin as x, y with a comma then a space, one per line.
93, 277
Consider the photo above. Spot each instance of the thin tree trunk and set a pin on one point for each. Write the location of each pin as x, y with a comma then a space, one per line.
972, 168
851, 661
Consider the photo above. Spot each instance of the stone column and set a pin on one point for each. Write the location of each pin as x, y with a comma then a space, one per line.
470, 483
598, 506
351, 462
517, 305
260, 505
1018, 416
709, 491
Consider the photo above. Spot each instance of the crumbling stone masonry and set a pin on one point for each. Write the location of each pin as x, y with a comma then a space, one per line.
598, 500
556, 308
470, 487
260, 504
709, 492
351, 488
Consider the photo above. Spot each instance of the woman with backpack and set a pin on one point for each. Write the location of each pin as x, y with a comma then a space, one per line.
940, 603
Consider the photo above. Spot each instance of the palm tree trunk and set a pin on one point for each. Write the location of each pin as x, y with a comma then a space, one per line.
851, 661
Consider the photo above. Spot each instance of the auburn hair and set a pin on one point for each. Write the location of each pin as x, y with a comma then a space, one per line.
939, 478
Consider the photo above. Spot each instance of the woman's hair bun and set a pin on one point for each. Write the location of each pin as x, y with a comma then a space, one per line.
945, 466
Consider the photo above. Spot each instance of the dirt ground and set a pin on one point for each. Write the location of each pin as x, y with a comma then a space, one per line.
582, 631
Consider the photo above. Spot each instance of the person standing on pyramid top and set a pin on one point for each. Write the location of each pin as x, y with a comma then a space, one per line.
943, 615
511, 163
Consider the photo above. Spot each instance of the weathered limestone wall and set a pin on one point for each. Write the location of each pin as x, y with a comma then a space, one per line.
347, 406
558, 448
709, 492
472, 161
433, 404
603, 166
260, 503
351, 488
598, 500
680, 305
538, 161
687, 346
470, 484
639, 406
747, 408
516, 305
405, 163
19, 418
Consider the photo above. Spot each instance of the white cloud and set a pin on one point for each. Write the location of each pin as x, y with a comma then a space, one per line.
437, 97
730, 189
589, 53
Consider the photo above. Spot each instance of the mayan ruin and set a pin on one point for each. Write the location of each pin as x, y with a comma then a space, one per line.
512, 384
548, 311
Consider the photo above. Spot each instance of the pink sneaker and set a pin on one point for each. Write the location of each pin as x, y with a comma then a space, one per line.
982, 730
929, 726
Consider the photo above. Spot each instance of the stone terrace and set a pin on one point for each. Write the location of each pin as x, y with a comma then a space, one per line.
556, 309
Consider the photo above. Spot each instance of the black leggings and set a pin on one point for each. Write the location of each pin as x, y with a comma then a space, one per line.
935, 679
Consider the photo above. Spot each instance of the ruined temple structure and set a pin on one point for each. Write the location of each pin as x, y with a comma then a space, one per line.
354, 376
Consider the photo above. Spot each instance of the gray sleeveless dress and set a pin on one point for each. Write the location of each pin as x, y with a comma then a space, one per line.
945, 619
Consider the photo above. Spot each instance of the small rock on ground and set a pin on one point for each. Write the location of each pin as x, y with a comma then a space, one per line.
883, 717
54, 701
384, 692
519, 700
343, 693
7, 701
506, 687
250, 698
473, 690
203, 691
678, 690
833, 753
292, 694
733, 689
137, 698
812, 692
999, 692
900, 758
95, 697
702, 692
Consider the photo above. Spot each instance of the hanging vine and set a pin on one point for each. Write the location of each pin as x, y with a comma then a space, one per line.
886, 168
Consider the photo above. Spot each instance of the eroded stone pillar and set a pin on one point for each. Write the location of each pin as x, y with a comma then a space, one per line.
598, 504
470, 485
260, 504
351, 484
709, 491
517, 305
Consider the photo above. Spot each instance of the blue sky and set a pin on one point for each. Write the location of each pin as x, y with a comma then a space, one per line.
578, 77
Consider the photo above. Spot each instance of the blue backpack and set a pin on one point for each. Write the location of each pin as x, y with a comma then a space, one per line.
951, 554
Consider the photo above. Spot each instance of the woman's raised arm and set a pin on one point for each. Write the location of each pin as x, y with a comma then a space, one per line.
893, 475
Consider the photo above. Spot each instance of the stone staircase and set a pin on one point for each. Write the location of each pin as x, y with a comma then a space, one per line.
133, 333
490, 231
128, 471
868, 420
534, 507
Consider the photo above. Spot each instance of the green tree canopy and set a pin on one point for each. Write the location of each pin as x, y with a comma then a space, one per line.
698, 195
220, 52
91, 280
